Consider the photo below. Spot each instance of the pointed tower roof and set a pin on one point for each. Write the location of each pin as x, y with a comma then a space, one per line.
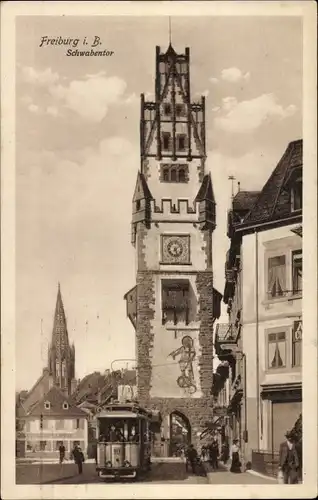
59, 334
171, 51
142, 190
206, 190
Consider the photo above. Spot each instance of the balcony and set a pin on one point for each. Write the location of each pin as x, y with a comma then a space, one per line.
226, 337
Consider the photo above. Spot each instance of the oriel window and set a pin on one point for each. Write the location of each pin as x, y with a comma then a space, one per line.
276, 350
297, 266
277, 276
297, 343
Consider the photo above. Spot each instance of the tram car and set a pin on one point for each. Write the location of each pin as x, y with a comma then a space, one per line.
123, 441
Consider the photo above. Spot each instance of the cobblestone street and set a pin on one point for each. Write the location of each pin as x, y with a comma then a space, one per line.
171, 473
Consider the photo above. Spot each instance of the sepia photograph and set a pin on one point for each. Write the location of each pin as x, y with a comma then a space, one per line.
157, 285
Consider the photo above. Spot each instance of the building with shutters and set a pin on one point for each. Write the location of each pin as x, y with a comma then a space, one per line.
264, 289
174, 304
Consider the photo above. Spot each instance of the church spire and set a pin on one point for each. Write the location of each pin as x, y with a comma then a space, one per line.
61, 356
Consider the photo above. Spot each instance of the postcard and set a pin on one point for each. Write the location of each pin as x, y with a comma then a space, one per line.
159, 250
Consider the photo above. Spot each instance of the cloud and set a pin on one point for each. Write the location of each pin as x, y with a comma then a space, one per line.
234, 75
33, 108
246, 116
37, 77
90, 98
52, 110
213, 80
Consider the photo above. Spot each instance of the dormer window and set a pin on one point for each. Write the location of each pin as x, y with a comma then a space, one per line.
65, 405
47, 405
297, 195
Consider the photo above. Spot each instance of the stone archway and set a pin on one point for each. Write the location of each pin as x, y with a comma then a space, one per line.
180, 433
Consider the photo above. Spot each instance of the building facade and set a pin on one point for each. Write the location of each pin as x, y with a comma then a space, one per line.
173, 305
262, 343
53, 421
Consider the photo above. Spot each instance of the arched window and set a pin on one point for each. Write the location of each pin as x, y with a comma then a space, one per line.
173, 175
166, 175
182, 175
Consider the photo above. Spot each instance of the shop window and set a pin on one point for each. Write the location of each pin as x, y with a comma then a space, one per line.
277, 276
43, 445
277, 350
297, 343
297, 270
58, 444
297, 195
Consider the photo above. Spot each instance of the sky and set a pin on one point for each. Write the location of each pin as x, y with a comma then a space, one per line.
77, 157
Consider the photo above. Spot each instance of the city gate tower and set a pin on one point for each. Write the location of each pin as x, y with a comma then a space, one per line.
173, 305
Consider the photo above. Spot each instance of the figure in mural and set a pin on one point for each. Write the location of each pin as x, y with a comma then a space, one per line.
186, 355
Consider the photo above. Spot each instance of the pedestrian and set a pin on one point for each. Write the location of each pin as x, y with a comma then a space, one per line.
191, 458
78, 458
289, 460
214, 453
235, 455
62, 452
203, 453
225, 452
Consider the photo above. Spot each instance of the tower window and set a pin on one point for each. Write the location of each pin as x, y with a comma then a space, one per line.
179, 109
181, 142
165, 175
167, 108
297, 195
138, 205
174, 172
166, 141
181, 175
65, 405
47, 405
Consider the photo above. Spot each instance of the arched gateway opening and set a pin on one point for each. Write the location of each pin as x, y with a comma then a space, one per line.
180, 433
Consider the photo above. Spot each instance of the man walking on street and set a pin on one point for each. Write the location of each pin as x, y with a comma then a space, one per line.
78, 458
62, 452
289, 460
191, 458
214, 453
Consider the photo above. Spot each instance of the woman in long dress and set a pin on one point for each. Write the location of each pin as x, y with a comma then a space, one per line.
235, 453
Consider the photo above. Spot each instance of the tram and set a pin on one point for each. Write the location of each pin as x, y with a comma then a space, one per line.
123, 441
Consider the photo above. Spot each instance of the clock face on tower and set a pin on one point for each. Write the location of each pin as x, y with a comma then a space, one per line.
175, 249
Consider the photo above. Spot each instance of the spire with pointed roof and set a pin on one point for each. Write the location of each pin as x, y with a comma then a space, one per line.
61, 355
